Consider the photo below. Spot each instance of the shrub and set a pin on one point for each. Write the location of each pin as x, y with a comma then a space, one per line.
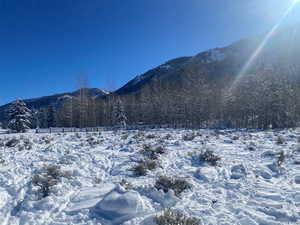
152, 153
27, 144
170, 217
47, 140
177, 185
142, 168
251, 146
92, 141
280, 158
168, 137
124, 136
126, 184
150, 136
2, 143
189, 137
235, 138
280, 140
49, 178
139, 135
209, 157
77, 135
2, 161
12, 143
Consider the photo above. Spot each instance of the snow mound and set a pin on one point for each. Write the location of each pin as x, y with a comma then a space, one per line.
119, 206
238, 171
207, 174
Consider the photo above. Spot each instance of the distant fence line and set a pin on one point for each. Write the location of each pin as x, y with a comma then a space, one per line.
99, 129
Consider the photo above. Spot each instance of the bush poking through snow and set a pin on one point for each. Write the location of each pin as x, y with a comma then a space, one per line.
126, 184
27, 144
168, 137
124, 136
142, 168
209, 157
189, 137
12, 143
235, 138
2, 161
280, 140
280, 158
177, 185
139, 135
92, 141
150, 136
171, 217
48, 179
152, 153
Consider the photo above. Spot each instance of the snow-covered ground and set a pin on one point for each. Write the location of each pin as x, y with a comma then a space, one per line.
246, 187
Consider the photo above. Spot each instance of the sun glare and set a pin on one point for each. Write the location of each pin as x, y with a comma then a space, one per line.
268, 36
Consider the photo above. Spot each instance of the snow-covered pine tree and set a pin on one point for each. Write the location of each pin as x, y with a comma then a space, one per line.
20, 117
119, 116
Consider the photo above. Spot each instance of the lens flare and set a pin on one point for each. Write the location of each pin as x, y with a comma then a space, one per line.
259, 49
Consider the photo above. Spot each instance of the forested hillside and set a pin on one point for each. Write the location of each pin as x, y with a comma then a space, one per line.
244, 85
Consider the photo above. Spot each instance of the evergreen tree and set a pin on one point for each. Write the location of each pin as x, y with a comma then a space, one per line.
19, 117
51, 116
119, 116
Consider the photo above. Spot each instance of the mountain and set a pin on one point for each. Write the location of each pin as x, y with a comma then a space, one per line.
280, 50
38, 103
254, 83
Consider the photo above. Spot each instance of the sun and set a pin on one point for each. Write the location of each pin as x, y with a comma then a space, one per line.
295, 1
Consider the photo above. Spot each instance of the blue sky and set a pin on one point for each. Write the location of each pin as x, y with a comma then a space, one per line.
46, 45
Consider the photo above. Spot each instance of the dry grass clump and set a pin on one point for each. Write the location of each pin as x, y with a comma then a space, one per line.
50, 177
150, 136
178, 185
139, 135
143, 167
208, 156
280, 140
171, 217
93, 141
280, 159
189, 136
152, 153
13, 142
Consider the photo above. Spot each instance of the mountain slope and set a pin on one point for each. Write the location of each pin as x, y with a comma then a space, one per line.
37, 103
281, 50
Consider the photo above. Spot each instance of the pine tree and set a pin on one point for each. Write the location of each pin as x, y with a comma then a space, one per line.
119, 116
19, 117
51, 116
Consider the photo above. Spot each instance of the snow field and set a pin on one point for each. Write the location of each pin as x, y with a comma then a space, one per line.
246, 187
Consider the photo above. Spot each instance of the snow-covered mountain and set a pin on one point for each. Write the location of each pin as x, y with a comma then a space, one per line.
37, 103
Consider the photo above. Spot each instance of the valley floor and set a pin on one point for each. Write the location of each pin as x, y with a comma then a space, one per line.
257, 180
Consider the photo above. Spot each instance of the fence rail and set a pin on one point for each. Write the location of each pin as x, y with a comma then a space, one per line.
94, 129
108, 128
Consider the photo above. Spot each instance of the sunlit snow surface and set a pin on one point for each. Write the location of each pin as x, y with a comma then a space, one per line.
246, 188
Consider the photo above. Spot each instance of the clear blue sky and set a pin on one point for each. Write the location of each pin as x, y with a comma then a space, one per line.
46, 44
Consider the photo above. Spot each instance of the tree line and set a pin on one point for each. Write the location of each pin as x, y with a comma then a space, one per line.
259, 100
